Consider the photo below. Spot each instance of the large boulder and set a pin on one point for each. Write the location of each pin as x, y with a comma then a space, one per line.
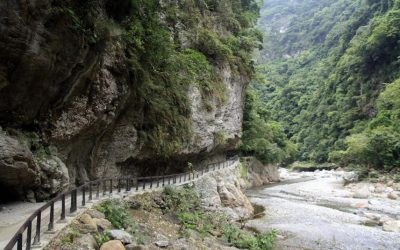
350, 177
53, 175
112, 245
222, 190
362, 193
87, 224
393, 196
233, 197
259, 174
18, 171
95, 214
86, 242
121, 235
102, 224
392, 226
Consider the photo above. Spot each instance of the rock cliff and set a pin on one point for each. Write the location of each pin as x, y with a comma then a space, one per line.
98, 88
224, 190
259, 174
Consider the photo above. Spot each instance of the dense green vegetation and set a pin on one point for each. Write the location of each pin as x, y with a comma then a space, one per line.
117, 212
331, 71
262, 137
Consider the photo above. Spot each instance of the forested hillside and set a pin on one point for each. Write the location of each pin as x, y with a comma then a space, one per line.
330, 76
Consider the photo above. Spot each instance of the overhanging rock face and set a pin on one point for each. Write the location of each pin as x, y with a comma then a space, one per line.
82, 99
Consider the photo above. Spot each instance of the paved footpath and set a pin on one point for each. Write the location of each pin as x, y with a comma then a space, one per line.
12, 216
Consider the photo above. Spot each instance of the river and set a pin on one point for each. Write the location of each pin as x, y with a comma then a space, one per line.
314, 210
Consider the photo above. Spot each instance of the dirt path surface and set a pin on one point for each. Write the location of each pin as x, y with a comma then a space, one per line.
315, 211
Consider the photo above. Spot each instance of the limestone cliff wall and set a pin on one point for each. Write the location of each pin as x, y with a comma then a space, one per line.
69, 103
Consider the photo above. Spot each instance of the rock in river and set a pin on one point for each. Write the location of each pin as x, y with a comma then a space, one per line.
392, 226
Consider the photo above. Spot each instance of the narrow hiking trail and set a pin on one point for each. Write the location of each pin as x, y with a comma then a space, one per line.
314, 210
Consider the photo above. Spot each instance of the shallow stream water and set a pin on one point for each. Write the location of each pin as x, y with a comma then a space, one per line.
315, 211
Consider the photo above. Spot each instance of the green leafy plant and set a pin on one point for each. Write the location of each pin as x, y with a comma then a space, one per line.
199, 221
116, 211
246, 240
181, 199
102, 238
71, 234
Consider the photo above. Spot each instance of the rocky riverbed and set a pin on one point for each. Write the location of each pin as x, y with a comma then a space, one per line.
316, 210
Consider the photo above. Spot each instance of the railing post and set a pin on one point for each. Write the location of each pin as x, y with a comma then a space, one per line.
71, 208
137, 184
19, 242
158, 181
104, 187
62, 218
169, 180
119, 185
180, 178
51, 222
90, 192
83, 196
73, 201
111, 186
144, 184
151, 183
29, 236
36, 240
97, 189
163, 181
174, 180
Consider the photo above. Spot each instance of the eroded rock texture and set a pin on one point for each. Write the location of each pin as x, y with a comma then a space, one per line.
17, 167
260, 174
223, 190
79, 97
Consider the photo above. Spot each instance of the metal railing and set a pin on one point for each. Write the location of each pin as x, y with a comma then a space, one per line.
92, 190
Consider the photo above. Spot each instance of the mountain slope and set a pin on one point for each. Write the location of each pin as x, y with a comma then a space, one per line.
325, 64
